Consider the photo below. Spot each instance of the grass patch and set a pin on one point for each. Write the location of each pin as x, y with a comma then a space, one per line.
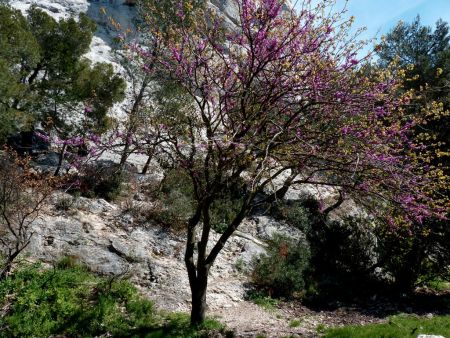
295, 323
439, 285
177, 325
400, 326
68, 300
266, 302
321, 328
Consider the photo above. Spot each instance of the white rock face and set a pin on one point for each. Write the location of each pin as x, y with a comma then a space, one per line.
99, 10
102, 10
111, 242
56, 8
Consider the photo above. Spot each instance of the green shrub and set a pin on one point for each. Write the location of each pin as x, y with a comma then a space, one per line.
227, 206
295, 323
280, 272
239, 265
66, 203
417, 254
178, 325
297, 213
68, 300
343, 253
174, 200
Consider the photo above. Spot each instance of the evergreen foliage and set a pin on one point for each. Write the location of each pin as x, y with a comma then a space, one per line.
45, 78
422, 252
423, 54
280, 272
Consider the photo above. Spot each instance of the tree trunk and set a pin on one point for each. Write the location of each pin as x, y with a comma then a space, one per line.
407, 276
198, 275
8, 264
132, 124
147, 164
5, 270
125, 152
61, 159
198, 291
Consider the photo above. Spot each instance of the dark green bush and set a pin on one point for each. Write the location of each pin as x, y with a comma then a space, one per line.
280, 272
174, 200
416, 255
343, 253
103, 180
356, 251
227, 205
297, 213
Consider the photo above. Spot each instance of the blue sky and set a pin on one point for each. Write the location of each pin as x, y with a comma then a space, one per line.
379, 16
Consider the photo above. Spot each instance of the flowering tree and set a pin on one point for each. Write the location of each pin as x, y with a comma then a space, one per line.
280, 100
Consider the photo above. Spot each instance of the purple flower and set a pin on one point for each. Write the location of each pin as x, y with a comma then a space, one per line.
176, 54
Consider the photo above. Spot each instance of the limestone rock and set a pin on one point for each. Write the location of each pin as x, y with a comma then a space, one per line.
93, 232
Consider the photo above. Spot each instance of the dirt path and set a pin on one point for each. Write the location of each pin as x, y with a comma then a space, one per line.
288, 319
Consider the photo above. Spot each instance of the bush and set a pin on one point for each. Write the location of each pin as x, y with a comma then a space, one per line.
343, 256
297, 213
103, 180
178, 326
70, 301
280, 272
227, 206
343, 253
417, 254
355, 251
174, 200
260, 298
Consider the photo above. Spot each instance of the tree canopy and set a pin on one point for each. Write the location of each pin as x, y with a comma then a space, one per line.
278, 100
423, 54
45, 78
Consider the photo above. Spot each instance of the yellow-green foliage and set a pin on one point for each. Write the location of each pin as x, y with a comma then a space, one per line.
397, 327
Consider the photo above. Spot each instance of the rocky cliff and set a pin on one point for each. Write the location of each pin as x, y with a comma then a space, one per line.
100, 10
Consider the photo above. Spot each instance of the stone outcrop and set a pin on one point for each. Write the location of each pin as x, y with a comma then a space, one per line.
111, 242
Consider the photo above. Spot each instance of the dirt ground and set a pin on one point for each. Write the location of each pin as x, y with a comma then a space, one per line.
294, 319
287, 319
